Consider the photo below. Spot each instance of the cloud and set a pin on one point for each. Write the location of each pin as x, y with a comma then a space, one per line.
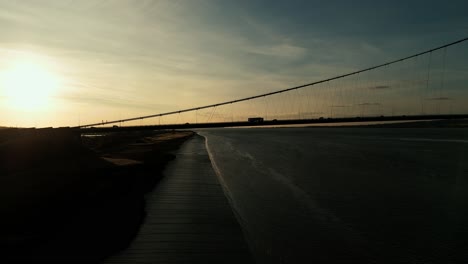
282, 51
379, 87
116, 103
369, 104
313, 113
439, 98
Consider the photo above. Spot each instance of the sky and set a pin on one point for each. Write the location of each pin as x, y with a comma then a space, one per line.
117, 59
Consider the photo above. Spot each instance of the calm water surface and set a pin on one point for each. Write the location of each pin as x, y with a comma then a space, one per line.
347, 195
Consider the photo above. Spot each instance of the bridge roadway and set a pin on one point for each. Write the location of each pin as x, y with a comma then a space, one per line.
272, 123
189, 219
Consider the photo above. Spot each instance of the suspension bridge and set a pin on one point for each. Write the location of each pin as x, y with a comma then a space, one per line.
428, 85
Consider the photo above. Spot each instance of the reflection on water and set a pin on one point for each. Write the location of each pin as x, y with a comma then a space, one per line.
93, 135
347, 195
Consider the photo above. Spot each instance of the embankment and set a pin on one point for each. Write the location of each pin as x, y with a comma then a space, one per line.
67, 198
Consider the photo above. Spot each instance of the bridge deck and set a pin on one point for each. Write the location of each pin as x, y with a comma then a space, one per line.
189, 219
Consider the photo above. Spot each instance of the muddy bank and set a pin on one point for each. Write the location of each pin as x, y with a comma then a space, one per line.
68, 198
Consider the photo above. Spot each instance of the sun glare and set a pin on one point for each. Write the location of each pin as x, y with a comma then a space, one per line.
28, 85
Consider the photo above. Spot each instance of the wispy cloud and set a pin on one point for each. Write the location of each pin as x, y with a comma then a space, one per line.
369, 104
439, 98
281, 51
380, 87
115, 103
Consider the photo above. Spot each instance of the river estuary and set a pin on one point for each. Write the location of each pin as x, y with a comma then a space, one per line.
347, 195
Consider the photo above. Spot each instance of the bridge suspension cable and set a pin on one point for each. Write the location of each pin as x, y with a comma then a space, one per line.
276, 92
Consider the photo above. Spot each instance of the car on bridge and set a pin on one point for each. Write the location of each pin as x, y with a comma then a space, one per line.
255, 119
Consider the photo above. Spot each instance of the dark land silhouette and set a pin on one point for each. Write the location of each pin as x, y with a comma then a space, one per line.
68, 198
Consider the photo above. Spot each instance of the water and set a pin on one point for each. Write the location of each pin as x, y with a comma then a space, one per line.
347, 195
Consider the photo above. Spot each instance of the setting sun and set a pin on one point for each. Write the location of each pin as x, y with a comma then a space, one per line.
28, 85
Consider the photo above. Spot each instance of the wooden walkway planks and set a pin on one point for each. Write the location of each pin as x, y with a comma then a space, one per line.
189, 219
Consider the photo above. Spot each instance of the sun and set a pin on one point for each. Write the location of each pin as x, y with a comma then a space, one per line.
28, 85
